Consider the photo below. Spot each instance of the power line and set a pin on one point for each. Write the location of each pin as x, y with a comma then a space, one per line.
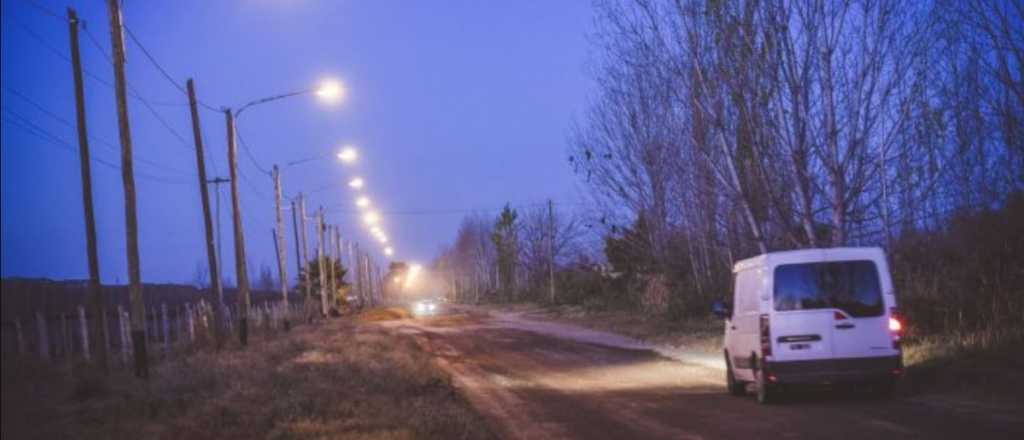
105, 143
57, 142
340, 209
248, 153
163, 71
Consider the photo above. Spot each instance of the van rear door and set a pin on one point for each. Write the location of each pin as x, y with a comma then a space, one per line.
845, 298
799, 335
857, 294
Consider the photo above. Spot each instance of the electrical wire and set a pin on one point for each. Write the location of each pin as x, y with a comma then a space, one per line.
103, 142
57, 142
248, 153
167, 76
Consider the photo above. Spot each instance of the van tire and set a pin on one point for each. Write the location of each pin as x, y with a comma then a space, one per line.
735, 387
766, 393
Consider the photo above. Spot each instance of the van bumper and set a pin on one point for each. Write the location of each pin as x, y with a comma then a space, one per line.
824, 371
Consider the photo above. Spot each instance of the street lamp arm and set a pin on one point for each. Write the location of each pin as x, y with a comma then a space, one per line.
269, 99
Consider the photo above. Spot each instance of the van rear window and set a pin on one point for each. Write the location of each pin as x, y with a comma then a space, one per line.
850, 286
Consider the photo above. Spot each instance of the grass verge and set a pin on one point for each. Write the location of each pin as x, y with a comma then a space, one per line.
339, 380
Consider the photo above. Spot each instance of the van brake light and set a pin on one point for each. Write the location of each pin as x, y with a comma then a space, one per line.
895, 327
766, 337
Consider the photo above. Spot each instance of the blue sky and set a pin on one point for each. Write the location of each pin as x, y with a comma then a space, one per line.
454, 106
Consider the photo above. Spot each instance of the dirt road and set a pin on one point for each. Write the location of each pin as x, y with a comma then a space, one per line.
534, 380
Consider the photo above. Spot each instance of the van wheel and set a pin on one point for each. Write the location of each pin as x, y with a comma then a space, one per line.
736, 388
766, 392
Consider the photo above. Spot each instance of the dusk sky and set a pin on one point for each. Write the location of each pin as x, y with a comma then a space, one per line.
455, 106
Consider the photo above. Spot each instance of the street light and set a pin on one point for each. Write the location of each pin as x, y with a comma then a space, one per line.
356, 183
363, 202
330, 91
347, 154
371, 218
388, 251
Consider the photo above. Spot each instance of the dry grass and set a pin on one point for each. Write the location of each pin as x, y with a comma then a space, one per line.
989, 363
336, 381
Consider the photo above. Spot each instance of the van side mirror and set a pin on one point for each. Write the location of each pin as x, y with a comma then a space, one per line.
720, 309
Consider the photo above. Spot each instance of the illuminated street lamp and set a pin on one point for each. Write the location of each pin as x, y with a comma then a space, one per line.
363, 202
330, 91
388, 251
356, 183
347, 154
371, 218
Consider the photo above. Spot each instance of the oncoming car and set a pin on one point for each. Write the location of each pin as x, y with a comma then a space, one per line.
813, 316
425, 307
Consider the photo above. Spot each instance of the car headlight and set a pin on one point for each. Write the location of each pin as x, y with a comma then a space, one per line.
432, 307
420, 308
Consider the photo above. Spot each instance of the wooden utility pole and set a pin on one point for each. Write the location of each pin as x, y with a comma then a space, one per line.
279, 244
305, 249
357, 266
320, 260
298, 246
332, 288
95, 291
241, 274
337, 251
551, 249
138, 307
217, 293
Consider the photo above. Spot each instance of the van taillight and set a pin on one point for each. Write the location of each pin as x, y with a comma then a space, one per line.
766, 337
895, 327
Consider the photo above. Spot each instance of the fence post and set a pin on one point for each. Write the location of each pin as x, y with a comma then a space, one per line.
145, 324
65, 343
44, 337
19, 335
84, 328
106, 328
124, 335
190, 322
166, 335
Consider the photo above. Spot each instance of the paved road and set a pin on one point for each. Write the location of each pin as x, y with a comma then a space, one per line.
533, 385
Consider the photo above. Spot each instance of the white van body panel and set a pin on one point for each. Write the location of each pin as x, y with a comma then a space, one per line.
814, 334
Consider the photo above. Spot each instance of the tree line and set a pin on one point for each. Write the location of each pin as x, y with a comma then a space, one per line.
722, 130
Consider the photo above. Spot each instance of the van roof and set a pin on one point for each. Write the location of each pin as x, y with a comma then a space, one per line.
810, 255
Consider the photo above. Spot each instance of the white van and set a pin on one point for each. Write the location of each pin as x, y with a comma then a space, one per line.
812, 316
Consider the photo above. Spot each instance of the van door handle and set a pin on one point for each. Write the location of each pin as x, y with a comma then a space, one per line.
845, 326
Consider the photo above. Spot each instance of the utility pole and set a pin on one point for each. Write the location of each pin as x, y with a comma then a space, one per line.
95, 291
320, 260
138, 307
551, 249
241, 274
330, 266
279, 244
357, 266
295, 229
219, 286
305, 254
204, 195
337, 250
